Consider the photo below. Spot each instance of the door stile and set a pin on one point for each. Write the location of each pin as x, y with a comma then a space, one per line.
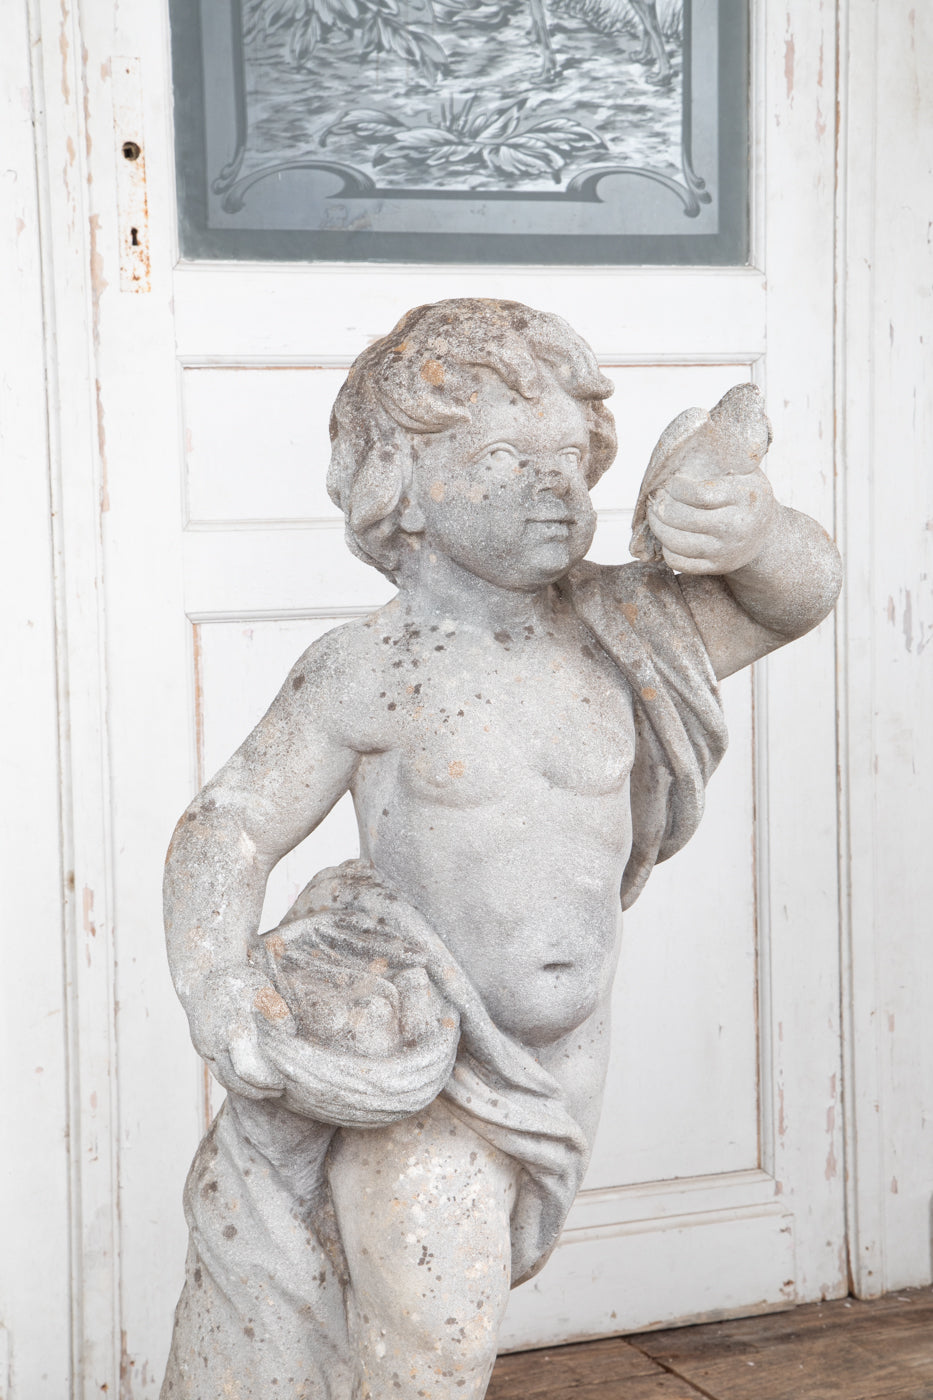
68, 231
801, 817
886, 753
861, 1012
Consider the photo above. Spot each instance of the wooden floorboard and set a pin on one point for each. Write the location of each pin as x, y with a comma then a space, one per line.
845, 1350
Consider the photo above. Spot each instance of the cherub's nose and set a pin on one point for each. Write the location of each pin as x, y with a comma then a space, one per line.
555, 477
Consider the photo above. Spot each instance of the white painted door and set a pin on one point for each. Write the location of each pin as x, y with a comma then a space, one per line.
715, 1185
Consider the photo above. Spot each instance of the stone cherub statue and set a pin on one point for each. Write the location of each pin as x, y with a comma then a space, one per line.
415, 1056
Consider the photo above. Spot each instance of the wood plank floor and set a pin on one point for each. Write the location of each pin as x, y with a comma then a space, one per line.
845, 1350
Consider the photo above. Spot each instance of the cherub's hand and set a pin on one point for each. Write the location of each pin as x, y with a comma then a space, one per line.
714, 526
704, 490
223, 1018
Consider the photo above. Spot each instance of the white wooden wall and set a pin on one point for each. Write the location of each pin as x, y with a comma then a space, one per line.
35, 1165
59, 1213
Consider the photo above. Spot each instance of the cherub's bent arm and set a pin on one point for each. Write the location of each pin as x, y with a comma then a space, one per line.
754, 573
271, 794
787, 589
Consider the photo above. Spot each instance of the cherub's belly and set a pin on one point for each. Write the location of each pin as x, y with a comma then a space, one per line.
527, 901
537, 997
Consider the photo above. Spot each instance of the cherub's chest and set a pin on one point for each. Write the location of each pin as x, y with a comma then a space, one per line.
468, 727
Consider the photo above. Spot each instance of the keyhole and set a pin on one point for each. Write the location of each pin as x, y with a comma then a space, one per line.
131, 151
134, 237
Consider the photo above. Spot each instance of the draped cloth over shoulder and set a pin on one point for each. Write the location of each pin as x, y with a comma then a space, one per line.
638, 615
265, 1257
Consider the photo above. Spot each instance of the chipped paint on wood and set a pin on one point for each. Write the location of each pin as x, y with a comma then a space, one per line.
789, 47
104, 494
63, 48
98, 287
130, 155
832, 1164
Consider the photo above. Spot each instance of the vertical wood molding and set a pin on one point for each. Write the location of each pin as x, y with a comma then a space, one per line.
35, 1339
798, 855
885, 405
72, 288
855, 228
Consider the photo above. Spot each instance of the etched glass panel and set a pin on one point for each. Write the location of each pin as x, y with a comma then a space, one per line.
554, 131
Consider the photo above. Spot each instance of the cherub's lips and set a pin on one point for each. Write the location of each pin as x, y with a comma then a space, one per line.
552, 527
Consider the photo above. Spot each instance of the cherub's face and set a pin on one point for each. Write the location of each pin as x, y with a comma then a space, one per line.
505, 496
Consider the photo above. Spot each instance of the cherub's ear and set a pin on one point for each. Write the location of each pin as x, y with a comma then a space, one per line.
412, 519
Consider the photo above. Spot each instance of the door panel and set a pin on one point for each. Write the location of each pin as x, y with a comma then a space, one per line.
256, 442
715, 1186
682, 1096
685, 1012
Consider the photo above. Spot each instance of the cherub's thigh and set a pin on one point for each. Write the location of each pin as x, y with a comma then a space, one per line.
423, 1208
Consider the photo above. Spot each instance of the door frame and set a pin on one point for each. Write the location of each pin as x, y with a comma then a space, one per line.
69, 244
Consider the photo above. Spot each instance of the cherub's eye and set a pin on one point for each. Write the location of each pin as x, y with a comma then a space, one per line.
571, 456
501, 455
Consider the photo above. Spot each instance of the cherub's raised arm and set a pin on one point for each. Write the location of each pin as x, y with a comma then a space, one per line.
272, 793
784, 591
755, 574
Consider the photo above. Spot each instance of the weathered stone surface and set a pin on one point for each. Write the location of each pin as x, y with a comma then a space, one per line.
415, 1056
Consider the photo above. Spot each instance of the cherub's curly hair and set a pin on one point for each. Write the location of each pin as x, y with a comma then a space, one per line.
420, 378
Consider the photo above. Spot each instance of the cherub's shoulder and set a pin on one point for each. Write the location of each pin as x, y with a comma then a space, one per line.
627, 583
647, 595
346, 647
334, 685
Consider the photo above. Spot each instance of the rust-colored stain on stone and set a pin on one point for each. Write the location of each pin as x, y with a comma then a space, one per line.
270, 1004
276, 945
433, 372
649, 693
457, 768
